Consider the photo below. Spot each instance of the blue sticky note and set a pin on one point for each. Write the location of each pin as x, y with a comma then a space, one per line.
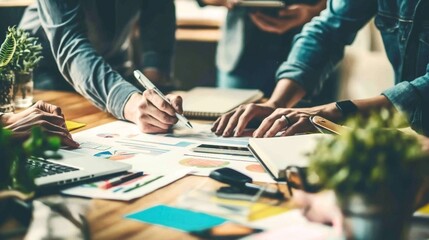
178, 218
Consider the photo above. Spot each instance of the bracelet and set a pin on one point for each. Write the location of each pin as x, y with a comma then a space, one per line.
347, 108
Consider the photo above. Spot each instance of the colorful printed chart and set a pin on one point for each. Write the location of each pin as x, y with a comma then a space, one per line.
116, 155
255, 168
202, 163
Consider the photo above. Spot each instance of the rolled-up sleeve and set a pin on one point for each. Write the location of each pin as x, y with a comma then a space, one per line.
412, 98
77, 60
158, 28
320, 46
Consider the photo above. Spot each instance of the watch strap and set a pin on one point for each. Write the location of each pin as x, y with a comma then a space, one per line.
347, 108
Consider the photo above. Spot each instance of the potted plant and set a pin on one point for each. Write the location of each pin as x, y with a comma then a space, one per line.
375, 172
7, 51
26, 58
16, 179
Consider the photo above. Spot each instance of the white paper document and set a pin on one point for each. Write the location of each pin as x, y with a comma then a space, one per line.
161, 154
129, 190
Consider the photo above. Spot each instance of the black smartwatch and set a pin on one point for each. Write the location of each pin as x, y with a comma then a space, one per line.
347, 108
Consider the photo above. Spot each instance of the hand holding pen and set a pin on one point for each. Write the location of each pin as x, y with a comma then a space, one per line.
151, 110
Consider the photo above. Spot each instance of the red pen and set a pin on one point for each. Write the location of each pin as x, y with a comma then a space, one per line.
119, 180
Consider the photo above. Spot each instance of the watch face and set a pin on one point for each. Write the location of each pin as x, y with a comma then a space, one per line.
347, 107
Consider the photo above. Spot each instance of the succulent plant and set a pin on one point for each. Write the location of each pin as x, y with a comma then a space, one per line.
13, 158
28, 51
370, 158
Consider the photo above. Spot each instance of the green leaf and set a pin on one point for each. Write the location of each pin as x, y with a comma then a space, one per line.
7, 50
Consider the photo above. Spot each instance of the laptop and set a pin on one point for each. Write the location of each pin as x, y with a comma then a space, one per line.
72, 168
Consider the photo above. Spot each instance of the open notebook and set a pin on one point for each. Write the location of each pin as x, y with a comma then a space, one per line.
210, 103
277, 153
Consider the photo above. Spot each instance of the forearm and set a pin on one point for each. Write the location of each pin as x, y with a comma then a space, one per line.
78, 61
286, 94
320, 46
368, 105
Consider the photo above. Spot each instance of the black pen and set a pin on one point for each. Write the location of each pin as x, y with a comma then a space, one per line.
139, 185
119, 180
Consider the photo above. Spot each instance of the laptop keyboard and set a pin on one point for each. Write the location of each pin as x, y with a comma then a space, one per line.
48, 168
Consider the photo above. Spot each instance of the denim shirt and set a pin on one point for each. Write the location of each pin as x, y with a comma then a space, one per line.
320, 46
90, 39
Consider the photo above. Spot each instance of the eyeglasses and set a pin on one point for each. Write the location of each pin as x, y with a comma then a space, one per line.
296, 177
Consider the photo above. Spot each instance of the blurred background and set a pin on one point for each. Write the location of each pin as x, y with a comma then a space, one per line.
198, 31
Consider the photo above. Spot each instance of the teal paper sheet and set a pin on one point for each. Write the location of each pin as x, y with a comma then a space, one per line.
177, 218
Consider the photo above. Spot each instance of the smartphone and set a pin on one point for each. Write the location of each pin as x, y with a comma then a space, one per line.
261, 3
219, 149
326, 126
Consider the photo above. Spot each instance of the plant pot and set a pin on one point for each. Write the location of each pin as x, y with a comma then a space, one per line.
369, 218
7, 195
6, 90
23, 89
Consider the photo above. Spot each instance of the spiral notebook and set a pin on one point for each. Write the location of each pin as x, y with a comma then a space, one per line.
210, 103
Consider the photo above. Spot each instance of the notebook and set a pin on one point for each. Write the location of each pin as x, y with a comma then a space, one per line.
210, 103
277, 153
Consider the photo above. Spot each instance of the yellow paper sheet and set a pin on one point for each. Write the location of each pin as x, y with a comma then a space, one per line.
71, 125
424, 211
258, 210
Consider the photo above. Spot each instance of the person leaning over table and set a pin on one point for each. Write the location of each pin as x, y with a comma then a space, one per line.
260, 39
47, 116
89, 42
320, 46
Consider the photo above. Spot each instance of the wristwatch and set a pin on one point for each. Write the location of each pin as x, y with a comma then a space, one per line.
347, 108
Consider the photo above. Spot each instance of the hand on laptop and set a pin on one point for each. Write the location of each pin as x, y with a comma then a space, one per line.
151, 113
233, 123
49, 117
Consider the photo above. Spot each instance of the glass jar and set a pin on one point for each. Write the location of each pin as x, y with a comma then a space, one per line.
23, 89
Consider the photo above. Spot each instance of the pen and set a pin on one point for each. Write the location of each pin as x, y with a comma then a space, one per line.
149, 85
119, 180
139, 185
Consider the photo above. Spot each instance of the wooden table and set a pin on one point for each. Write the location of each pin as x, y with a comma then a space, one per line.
106, 217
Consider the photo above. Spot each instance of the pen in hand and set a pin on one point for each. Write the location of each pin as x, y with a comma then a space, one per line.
146, 83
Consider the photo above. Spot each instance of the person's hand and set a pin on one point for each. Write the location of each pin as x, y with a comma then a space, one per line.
151, 113
234, 122
290, 17
49, 117
291, 121
320, 207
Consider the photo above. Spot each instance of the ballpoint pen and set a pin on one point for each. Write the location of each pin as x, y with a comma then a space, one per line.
143, 80
119, 180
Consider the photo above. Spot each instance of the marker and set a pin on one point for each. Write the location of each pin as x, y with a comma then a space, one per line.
139, 185
119, 180
146, 83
